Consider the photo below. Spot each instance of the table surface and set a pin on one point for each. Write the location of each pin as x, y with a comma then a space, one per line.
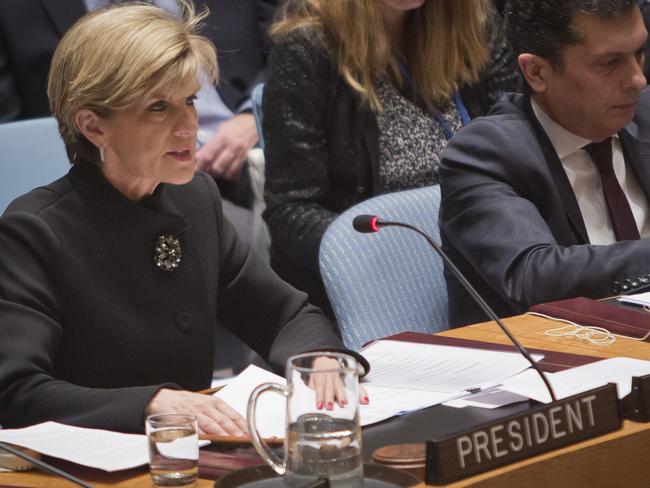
616, 459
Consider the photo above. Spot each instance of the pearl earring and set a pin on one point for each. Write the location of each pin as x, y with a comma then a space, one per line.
101, 154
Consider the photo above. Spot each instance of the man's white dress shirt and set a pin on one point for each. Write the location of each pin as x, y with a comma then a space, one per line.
585, 180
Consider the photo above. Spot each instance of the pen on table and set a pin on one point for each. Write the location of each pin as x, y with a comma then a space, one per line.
472, 391
43, 465
231, 439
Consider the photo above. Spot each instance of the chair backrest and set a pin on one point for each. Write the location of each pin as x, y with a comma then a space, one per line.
256, 99
33, 154
256, 163
390, 282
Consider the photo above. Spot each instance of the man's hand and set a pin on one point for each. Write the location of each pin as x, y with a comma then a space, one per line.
213, 414
224, 155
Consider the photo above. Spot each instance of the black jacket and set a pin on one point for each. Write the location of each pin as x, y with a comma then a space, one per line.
510, 221
322, 147
91, 328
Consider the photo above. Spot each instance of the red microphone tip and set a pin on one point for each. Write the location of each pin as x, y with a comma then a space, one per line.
373, 224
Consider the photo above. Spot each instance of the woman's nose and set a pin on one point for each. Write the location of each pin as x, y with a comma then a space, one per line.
187, 124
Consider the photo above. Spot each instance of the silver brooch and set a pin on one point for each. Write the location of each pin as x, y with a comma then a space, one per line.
167, 252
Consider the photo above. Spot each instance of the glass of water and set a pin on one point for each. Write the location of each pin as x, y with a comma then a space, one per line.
173, 448
321, 440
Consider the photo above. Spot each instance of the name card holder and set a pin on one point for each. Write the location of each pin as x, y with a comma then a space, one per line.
523, 435
636, 405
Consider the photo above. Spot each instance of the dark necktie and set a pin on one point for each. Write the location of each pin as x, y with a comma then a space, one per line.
619, 208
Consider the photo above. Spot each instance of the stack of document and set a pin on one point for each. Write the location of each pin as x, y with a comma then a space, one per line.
443, 369
404, 377
101, 449
579, 379
271, 409
95, 448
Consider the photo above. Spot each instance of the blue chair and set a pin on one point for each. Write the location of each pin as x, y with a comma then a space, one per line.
33, 154
390, 282
256, 160
256, 99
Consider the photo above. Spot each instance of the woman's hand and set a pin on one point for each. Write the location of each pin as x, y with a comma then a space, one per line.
213, 414
328, 386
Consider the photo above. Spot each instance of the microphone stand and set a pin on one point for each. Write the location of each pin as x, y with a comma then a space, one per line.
48, 468
470, 451
475, 295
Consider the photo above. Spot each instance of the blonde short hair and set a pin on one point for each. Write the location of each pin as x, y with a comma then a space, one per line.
113, 57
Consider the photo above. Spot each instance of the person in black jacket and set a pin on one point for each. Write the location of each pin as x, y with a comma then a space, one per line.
31, 29
113, 277
360, 100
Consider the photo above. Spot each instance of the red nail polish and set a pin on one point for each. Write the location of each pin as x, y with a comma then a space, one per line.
330, 406
365, 400
319, 405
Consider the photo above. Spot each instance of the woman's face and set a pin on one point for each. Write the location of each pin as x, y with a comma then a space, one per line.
152, 142
403, 5
395, 10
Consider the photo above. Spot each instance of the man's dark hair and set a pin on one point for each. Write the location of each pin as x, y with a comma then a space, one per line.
544, 27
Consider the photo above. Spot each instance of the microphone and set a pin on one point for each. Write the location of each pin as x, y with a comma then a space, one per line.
48, 468
368, 224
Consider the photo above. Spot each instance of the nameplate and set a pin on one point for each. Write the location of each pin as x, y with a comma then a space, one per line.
636, 405
523, 435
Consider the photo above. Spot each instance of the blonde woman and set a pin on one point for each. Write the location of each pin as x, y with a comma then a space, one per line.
112, 278
361, 98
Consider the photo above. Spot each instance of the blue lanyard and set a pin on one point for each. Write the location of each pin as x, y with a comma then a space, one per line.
437, 116
464, 114
442, 123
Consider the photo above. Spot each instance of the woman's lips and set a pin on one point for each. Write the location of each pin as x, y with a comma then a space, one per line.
182, 155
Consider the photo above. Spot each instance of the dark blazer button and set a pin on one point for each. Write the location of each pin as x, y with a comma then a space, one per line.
616, 288
360, 190
184, 321
626, 285
645, 279
635, 283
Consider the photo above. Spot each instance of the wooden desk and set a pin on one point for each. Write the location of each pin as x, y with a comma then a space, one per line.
619, 459
612, 460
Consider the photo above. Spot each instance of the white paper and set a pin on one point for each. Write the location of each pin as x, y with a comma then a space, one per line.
642, 299
579, 379
443, 369
101, 449
385, 402
271, 407
95, 448
490, 399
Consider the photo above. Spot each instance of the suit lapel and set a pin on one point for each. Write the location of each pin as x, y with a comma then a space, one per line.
556, 169
64, 14
637, 155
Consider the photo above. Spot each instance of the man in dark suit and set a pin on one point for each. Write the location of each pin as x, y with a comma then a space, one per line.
31, 29
531, 210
